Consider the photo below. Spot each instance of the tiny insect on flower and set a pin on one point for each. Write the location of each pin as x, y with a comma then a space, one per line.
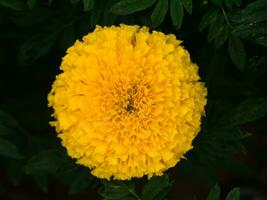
128, 102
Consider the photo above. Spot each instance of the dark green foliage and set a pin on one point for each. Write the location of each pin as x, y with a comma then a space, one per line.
157, 188
188, 5
13, 4
31, 3
126, 7
118, 190
237, 52
177, 13
215, 192
233, 194
227, 39
9, 150
36, 47
159, 13
88, 4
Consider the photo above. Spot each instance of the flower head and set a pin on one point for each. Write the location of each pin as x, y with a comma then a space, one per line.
128, 102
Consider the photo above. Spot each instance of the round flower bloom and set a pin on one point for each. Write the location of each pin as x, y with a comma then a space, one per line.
128, 102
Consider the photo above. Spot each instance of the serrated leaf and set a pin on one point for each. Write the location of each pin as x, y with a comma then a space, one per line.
246, 111
13, 4
48, 161
31, 3
118, 190
9, 150
36, 47
214, 193
126, 7
237, 52
159, 13
208, 18
221, 36
154, 187
251, 31
216, 27
177, 13
253, 13
188, 5
88, 5
233, 194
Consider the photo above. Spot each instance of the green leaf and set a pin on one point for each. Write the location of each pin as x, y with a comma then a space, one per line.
177, 13
251, 22
13, 4
253, 13
216, 27
188, 5
251, 31
237, 52
118, 190
221, 36
155, 187
88, 4
9, 150
36, 47
126, 7
46, 162
209, 18
31, 3
80, 182
214, 193
233, 194
246, 111
159, 13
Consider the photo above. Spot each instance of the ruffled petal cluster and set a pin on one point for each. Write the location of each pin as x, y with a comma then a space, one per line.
128, 102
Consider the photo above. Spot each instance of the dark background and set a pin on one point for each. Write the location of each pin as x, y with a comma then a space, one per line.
226, 38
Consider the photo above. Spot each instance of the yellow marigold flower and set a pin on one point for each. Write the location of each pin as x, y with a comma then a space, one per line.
128, 102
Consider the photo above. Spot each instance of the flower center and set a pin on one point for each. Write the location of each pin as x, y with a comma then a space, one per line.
130, 106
